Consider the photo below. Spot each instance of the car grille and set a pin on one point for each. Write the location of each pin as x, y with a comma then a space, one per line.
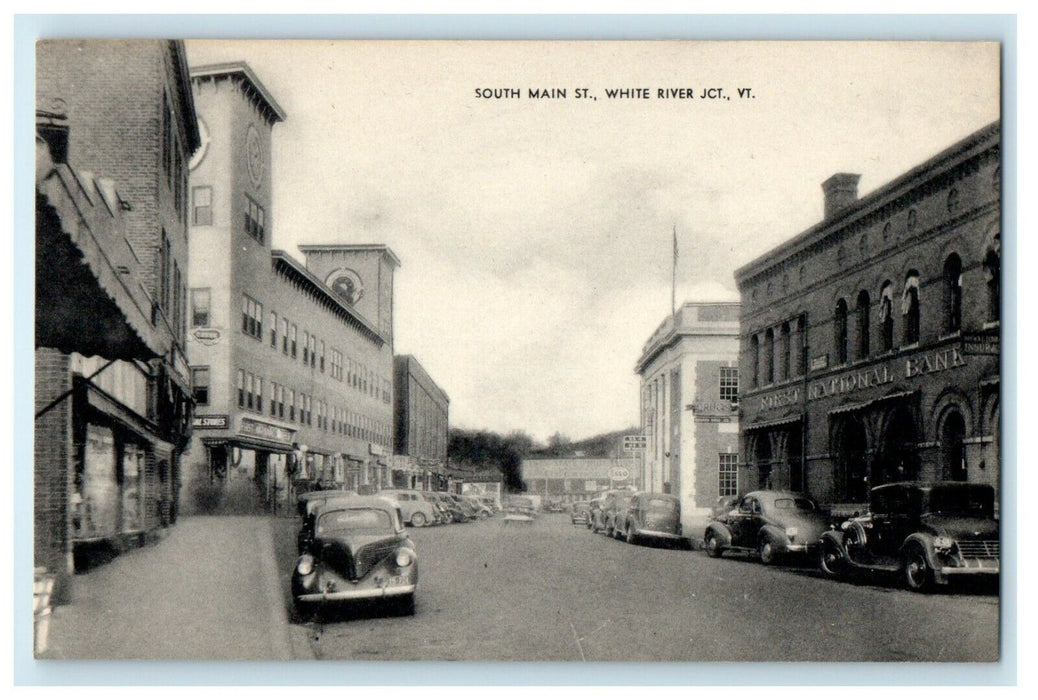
979, 549
371, 555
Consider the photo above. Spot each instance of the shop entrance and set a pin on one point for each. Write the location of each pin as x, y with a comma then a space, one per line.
953, 433
763, 458
897, 459
851, 444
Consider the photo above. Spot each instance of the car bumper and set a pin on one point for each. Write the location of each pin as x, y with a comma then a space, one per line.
658, 534
356, 594
971, 567
804, 548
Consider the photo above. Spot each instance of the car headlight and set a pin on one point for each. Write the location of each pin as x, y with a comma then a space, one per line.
944, 543
305, 567
404, 557
791, 532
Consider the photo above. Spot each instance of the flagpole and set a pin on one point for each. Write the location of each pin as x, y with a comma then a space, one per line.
674, 275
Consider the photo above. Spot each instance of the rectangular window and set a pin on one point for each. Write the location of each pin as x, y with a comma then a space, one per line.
281, 402
313, 351
273, 330
293, 341
284, 335
306, 348
241, 388
274, 399
730, 384
259, 395
200, 385
255, 219
728, 474
202, 206
320, 360
309, 410
248, 390
201, 306
291, 404
251, 317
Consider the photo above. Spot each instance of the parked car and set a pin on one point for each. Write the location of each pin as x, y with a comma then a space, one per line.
580, 511
929, 533
470, 511
483, 511
417, 511
359, 551
654, 516
616, 514
520, 509
457, 515
603, 506
308, 504
443, 516
771, 523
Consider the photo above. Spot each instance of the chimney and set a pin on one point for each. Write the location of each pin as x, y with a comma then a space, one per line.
841, 190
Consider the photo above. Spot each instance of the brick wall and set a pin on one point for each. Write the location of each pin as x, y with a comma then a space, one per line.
53, 469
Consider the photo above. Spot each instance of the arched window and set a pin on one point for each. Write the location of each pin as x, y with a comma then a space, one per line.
769, 356
886, 317
784, 371
755, 358
863, 324
802, 345
840, 332
993, 272
910, 309
952, 294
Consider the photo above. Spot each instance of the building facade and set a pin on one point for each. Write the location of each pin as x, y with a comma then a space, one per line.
115, 129
870, 342
570, 479
291, 362
689, 407
420, 426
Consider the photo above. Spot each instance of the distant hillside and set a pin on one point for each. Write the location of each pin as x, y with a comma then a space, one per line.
597, 446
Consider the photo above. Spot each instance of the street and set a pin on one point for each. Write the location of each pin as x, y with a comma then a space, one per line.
552, 591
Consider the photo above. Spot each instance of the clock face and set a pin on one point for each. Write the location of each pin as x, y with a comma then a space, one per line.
203, 133
254, 155
347, 284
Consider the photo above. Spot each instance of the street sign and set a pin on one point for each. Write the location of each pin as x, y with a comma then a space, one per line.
634, 443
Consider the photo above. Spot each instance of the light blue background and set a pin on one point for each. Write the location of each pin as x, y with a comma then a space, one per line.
27, 28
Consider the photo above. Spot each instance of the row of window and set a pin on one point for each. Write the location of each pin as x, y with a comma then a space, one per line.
769, 367
297, 407
285, 338
170, 289
254, 214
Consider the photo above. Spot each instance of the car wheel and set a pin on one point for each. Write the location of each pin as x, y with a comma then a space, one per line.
712, 545
418, 519
483, 515
631, 537
830, 561
766, 550
916, 569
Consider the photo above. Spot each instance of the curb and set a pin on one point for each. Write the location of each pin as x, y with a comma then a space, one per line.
286, 643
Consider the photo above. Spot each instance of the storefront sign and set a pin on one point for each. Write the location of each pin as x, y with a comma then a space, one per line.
908, 368
211, 422
251, 426
820, 362
980, 345
634, 443
619, 474
711, 408
207, 336
377, 449
782, 398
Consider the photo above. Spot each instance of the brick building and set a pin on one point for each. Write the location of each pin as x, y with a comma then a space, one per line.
870, 342
689, 407
420, 426
115, 128
292, 363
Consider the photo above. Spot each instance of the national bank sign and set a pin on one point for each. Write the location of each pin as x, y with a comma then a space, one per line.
850, 382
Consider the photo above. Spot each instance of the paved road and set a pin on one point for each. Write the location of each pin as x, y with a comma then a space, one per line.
555, 592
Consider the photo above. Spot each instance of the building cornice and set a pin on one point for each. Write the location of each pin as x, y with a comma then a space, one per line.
353, 248
257, 91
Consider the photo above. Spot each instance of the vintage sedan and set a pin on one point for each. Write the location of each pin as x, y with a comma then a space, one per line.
359, 551
770, 523
519, 509
616, 515
580, 511
655, 516
928, 533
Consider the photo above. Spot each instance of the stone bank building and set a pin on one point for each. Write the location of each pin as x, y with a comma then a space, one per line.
689, 370
869, 343
291, 360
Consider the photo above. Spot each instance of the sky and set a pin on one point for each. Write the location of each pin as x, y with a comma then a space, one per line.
536, 235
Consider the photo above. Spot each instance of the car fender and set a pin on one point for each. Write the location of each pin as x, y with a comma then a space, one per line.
925, 541
836, 537
773, 532
721, 531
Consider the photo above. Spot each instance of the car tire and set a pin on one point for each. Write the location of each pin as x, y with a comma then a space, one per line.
766, 551
915, 569
483, 515
830, 561
712, 545
418, 519
631, 538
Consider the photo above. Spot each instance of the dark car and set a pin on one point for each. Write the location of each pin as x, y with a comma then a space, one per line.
929, 533
452, 509
603, 506
616, 514
358, 551
580, 512
654, 516
770, 523
308, 504
470, 511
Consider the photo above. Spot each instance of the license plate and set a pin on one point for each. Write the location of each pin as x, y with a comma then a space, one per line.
397, 581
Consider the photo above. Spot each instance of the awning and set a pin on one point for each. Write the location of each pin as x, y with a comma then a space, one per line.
89, 297
116, 412
848, 408
788, 420
247, 443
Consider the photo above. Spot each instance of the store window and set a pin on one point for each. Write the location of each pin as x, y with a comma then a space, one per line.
202, 206
727, 474
132, 492
200, 385
201, 305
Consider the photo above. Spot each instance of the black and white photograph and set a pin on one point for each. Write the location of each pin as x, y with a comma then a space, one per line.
518, 350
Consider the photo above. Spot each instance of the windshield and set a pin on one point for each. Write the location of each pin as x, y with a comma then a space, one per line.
794, 504
961, 501
662, 505
354, 519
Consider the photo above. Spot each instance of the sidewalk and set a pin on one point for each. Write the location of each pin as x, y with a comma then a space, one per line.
208, 591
